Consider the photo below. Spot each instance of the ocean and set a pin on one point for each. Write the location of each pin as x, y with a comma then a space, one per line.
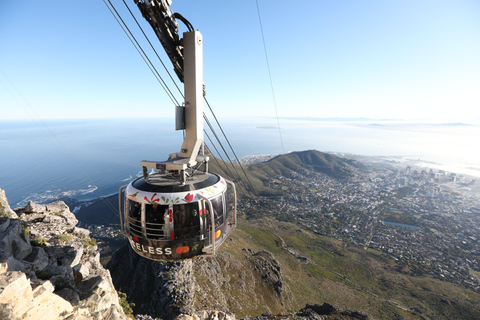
45, 160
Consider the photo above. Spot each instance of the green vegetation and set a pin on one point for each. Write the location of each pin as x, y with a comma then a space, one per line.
89, 242
381, 278
398, 216
65, 237
476, 273
2, 212
41, 242
25, 228
403, 192
127, 307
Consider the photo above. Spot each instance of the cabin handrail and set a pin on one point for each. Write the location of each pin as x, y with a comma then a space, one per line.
212, 220
120, 209
235, 202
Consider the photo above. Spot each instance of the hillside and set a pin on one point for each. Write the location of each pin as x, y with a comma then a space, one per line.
331, 165
314, 268
260, 175
244, 279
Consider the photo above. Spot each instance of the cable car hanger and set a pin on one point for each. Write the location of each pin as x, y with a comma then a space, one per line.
178, 211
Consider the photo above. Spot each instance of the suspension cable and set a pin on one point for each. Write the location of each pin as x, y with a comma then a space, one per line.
230, 160
270, 77
219, 155
143, 54
156, 53
230, 174
231, 148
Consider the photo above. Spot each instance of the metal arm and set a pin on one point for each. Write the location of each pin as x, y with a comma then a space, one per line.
186, 55
163, 22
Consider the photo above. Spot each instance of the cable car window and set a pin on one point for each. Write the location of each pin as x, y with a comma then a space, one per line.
227, 204
134, 209
154, 216
218, 211
186, 220
194, 223
134, 217
154, 213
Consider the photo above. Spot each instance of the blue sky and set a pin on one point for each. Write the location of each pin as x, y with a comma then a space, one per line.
375, 59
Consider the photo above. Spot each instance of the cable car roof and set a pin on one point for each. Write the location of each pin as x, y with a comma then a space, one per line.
163, 193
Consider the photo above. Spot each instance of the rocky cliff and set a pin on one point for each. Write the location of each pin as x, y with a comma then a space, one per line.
49, 268
166, 290
236, 283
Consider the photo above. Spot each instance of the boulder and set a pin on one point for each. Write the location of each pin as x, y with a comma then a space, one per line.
4, 223
14, 284
32, 207
324, 309
9, 263
81, 271
14, 242
5, 210
36, 261
69, 295
355, 314
21, 246
63, 255
206, 315
81, 232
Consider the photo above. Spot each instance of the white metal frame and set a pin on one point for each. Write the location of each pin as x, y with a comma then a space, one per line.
193, 88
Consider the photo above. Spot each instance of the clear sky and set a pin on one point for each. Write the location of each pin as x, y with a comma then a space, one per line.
378, 59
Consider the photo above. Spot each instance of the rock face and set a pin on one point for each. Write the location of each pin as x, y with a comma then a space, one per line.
5, 210
223, 283
177, 290
328, 311
159, 289
49, 268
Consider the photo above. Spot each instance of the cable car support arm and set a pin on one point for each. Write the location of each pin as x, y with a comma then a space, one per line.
186, 55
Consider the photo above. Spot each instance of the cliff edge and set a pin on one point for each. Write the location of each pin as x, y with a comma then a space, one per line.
49, 268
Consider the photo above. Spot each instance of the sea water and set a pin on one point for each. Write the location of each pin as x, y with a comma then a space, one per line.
45, 160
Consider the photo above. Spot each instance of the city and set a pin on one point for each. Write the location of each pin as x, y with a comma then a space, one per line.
414, 215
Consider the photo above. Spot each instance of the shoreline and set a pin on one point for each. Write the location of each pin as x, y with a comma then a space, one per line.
79, 206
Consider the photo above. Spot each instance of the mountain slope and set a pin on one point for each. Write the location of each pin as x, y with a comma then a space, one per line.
331, 165
288, 165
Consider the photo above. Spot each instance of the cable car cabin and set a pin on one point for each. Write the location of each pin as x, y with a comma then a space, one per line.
178, 212
166, 220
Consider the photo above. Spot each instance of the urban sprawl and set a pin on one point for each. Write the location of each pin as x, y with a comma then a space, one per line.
426, 219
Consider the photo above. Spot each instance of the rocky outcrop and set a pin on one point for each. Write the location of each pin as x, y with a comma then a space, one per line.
223, 283
50, 269
163, 290
5, 210
328, 311
270, 270
206, 315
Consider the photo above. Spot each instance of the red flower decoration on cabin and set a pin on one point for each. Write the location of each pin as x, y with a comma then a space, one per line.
135, 238
152, 200
188, 197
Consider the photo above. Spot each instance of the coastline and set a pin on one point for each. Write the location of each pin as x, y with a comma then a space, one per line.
102, 211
